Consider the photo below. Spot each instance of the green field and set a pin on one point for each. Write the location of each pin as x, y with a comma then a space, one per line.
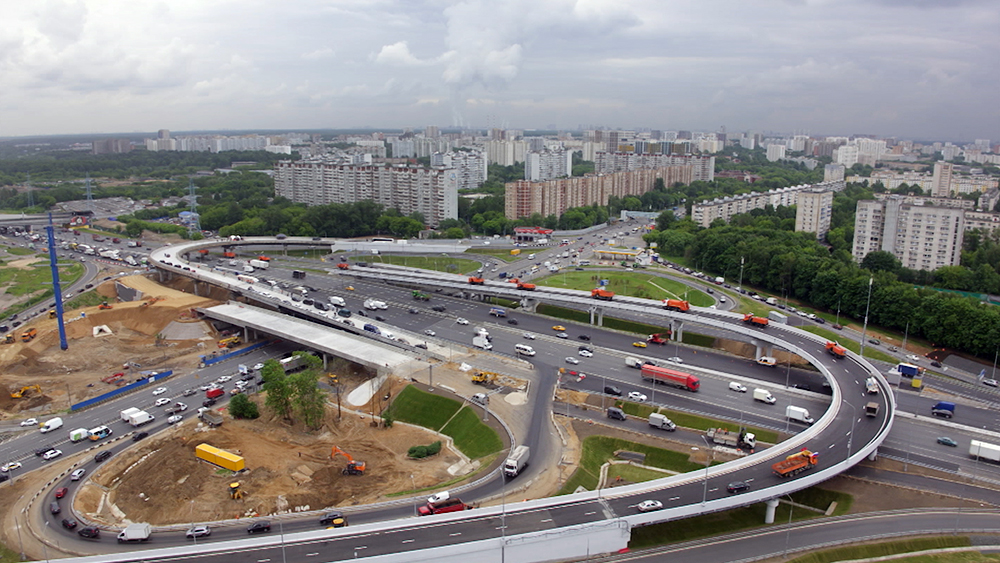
499, 253
448, 416
471, 436
871, 352
17, 251
597, 450
866, 551
692, 421
436, 263
633, 284
21, 282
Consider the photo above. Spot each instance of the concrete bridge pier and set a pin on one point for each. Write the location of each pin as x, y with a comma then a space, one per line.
677, 330
597, 314
769, 514
528, 304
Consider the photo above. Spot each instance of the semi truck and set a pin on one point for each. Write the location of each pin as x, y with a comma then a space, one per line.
657, 420
602, 294
795, 463
983, 450
517, 461
498, 312
764, 396
750, 319
670, 377
676, 305
135, 532
259, 264
443, 506
137, 419
742, 439
798, 414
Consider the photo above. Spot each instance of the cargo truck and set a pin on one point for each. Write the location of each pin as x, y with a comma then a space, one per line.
128, 412
602, 294
298, 274
211, 418
676, 305
657, 420
135, 532
908, 370
750, 319
259, 264
660, 338
943, 409
795, 464
525, 286
871, 409
139, 418
482, 342
78, 435
633, 362
742, 439
51, 425
517, 461
670, 377
764, 396
476, 281
798, 414
983, 450
836, 350
777, 317
443, 506
498, 312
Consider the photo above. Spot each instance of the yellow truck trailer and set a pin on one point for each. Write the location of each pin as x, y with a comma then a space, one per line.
222, 458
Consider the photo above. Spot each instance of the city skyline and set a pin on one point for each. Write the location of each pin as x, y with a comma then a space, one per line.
920, 70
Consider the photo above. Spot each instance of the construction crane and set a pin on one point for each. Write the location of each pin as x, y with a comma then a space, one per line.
353, 467
20, 393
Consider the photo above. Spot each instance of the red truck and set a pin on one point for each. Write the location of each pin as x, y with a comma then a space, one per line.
343, 266
526, 286
476, 281
676, 305
214, 393
229, 254
836, 350
602, 294
680, 379
660, 338
447, 505
756, 321
795, 463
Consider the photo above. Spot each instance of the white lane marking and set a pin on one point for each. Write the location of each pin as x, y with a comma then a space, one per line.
314, 554
409, 541
830, 446
455, 534
674, 498
362, 547
263, 560
547, 520
589, 513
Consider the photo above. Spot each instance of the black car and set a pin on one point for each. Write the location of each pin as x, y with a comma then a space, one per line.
102, 456
512, 322
803, 386
258, 527
438, 308
280, 236
69, 523
92, 533
54, 507
308, 301
40, 451
139, 436
612, 390
335, 519
737, 487
208, 403
936, 364
361, 313
413, 311
321, 306
3, 477
584, 337
379, 318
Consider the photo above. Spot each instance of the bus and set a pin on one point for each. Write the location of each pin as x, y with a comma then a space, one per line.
383, 239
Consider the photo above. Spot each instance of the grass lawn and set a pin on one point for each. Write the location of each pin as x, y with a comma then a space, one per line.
471, 436
499, 253
633, 474
871, 352
692, 421
88, 299
633, 284
423, 409
20, 282
436, 263
599, 449
895, 547
18, 251
730, 521
8, 555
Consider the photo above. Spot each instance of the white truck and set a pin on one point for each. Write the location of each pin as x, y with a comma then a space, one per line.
481, 342
259, 264
128, 412
51, 425
110, 254
634, 362
871, 385
517, 461
798, 414
248, 269
764, 396
657, 420
78, 435
374, 305
137, 419
338, 301
984, 451
777, 317
131, 261
135, 532
771, 301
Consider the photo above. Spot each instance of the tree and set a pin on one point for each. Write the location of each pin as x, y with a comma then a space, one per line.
279, 390
242, 407
309, 400
881, 261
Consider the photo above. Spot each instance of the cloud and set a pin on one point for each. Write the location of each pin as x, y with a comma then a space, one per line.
398, 54
319, 54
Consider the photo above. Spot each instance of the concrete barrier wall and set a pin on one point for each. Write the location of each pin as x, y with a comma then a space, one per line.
127, 388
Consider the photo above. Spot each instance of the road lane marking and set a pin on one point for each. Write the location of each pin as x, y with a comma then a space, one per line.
314, 554
409, 541
547, 520
456, 534
362, 547
589, 513
674, 498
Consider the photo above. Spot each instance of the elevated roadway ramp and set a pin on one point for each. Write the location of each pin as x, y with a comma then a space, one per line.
312, 336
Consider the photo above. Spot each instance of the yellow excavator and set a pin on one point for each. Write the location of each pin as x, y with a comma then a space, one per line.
229, 342
484, 377
20, 393
235, 492
353, 467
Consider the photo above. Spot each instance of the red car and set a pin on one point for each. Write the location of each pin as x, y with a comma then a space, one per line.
61, 492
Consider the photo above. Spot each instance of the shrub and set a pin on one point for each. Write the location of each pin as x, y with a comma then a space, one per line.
420, 452
242, 407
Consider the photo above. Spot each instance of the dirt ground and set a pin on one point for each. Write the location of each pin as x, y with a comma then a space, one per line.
288, 469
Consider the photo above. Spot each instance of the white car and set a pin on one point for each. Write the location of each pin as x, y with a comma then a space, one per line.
461, 321
258, 366
224, 378
561, 335
675, 360
586, 353
76, 475
30, 422
570, 360
161, 402
207, 386
649, 505
911, 357
181, 406
159, 391
430, 332
991, 382
10, 466
811, 316
636, 396
51, 454
175, 418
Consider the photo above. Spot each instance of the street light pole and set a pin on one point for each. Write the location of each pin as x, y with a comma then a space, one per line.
867, 308
708, 448
740, 286
414, 485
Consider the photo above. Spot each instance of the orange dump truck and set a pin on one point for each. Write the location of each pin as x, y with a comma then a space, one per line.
795, 463
756, 321
476, 281
676, 305
602, 294
836, 350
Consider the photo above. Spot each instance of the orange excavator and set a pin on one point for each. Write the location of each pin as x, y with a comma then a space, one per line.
353, 467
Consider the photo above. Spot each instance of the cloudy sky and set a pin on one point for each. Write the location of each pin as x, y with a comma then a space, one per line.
924, 69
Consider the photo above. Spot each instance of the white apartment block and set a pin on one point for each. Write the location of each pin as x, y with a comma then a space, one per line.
612, 162
983, 220
470, 167
548, 165
833, 173
432, 192
922, 237
402, 148
506, 153
941, 186
748, 143
846, 155
703, 213
814, 208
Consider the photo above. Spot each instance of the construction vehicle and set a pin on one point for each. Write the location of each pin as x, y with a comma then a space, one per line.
660, 338
836, 350
20, 392
353, 467
526, 286
150, 301
264, 258
28, 335
742, 439
343, 266
229, 254
484, 377
211, 418
222, 458
476, 281
234, 491
114, 378
602, 294
676, 305
795, 463
420, 296
750, 319
52, 313
229, 342
105, 305
203, 252
8, 339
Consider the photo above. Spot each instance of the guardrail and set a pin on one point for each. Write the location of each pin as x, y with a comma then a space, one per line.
125, 389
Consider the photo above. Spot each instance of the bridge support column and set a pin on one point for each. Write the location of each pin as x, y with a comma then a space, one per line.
761, 350
196, 288
326, 360
529, 305
769, 514
677, 330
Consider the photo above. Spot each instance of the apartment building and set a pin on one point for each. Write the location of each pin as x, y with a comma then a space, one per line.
432, 192
470, 167
775, 152
702, 167
984, 220
941, 185
923, 237
814, 210
703, 213
548, 165
525, 198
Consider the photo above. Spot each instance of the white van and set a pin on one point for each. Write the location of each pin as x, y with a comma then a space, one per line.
51, 425
338, 301
531, 257
524, 349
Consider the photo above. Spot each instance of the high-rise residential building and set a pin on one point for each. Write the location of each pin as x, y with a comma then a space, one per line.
548, 165
923, 237
775, 152
470, 167
748, 142
989, 200
616, 139
111, 146
798, 143
402, 148
525, 198
942, 179
506, 153
814, 208
163, 134
432, 131
704, 212
432, 192
833, 173
846, 155
703, 167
